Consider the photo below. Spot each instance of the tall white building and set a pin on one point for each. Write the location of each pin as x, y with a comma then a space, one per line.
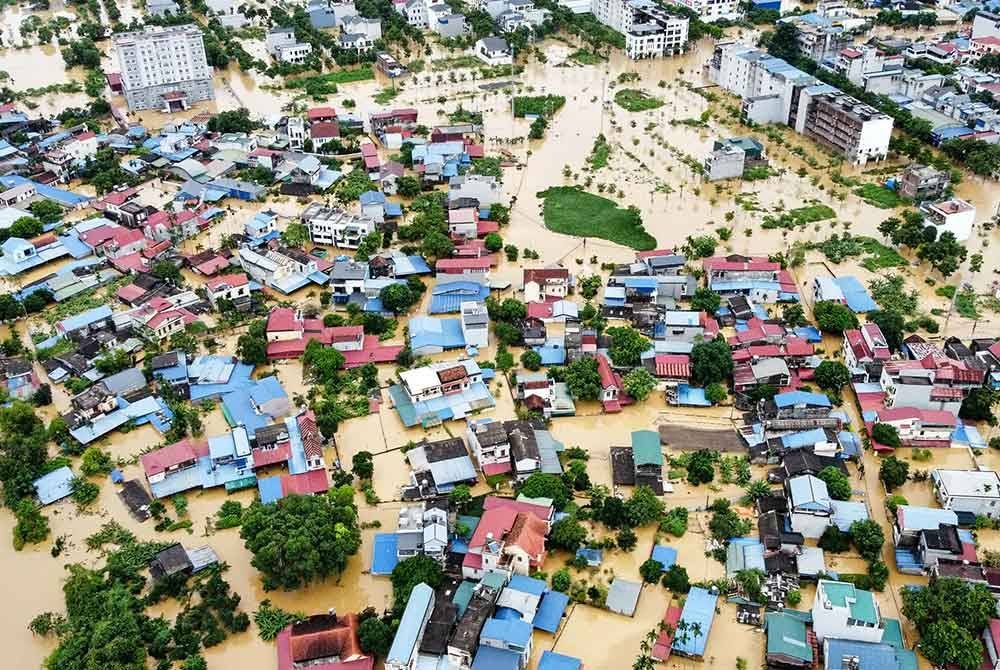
164, 68
334, 226
650, 32
713, 10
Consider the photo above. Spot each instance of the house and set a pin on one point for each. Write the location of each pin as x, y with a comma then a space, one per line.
430, 335
697, 615
767, 371
285, 48
613, 395
850, 654
753, 276
540, 283
475, 324
18, 378
486, 190
493, 51
323, 642
422, 529
933, 382
440, 392
543, 394
512, 636
336, 227
647, 458
525, 457
439, 467
974, 491
809, 505
510, 537
865, 348
490, 444
288, 334
787, 641
842, 611
462, 222
347, 278
232, 287
953, 216
403, 652
919, 427
921, 182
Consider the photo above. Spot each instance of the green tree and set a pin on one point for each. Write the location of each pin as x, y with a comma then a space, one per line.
113, 361
493, 242
832, 376
978, 405
626, 539
583, 379
675, 522
756, 490
886, 434
295, 235
46, 211
892, 326
627, 346
375, 637
300, 539
32, 526
643, 507
568, 534
946, 643
834, 540
543, 485
638, 383
408, 186
94, 461
711, 362
561, 580
706, 300
590, 286
168, 272
460, 496
837, 482
701, 467
834, 317
651, 571
949, 599
784, 42
397, 298
419, 569
531, 359
321, 363
232, 121
676, 579
725, 523
868, 538
252, 349
437, 245
716, 393
793, 315
25, 228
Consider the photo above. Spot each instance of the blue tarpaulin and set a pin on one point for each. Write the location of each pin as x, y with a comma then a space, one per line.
384, 557
550, 611
665, 556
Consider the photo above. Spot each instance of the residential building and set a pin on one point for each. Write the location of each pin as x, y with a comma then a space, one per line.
756, 277
543, 394
490, 445
855, 62
405, 645
845, 612
502, 639
484, 189
920, 427
953, 216
842, 123
541, 283
336, 227
985, 24
613, 395
475, 324
323, 641
922, 182
650, 31
164, 68
713, 10
440, 391
284, 47
422, 529
865, 346
849, 654
232, 287
934, 382
809, 505
493, 51
787, 642
974, 491
509, 538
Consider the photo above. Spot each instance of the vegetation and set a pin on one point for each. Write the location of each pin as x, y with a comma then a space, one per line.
634, 100
410, 572
537, 105
868, 539
639, 383
837, 482
711, 362
271, 620
878, 196
950, 614
572, 211
892, 471
834, 317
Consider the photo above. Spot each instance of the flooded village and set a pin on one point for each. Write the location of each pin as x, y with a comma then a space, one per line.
499, 334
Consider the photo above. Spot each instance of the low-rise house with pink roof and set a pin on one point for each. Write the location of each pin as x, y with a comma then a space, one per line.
539, 283
232, 287
172, 225
865, 350
613, 394
113, 241
462, 222
160, 318
510, 538
934, 382
919, 427
756, 277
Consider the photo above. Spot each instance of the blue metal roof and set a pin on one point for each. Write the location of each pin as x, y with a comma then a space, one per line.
492, 658
449, 297
411, 625
552, 661
84, 319
509, 631
803, 439
384, 557
699, 608
792, 398
846, 512
550, 611
55, 485
857, 297
524, 584
872, 656
592, 556
666, 556
552, 352
270, 489
809, 492
427, 331
692, 396
924, 518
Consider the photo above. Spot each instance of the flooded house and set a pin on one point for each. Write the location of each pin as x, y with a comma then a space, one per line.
641, 464
541, 393
510, 538
440, 392
403, 653
323, 642
422, 528
936, 383
967, 491
438, 467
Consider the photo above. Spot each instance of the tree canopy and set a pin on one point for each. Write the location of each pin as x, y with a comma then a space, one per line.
300, 539
711, 362
627, 346
410, 572
583, 379
834, 317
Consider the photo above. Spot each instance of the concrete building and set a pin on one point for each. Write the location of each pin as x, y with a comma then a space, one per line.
953, 216
842, 123
650, 32
731, 157
285, 48
922, 182
493, 51
845, 612
985, 24
164, 68
475, 324
713, 10
973, 491
335, 226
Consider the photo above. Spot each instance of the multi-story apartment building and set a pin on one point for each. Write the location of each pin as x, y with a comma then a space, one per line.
164, 68
935, 382
285, 48
334, 226
713, 10
922, 182
836, 120
650, 31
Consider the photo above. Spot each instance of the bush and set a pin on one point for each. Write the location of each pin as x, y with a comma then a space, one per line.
834, 540
675, 522
676, 579
651, 571
887, 435
893, 472
626, 539
794, 597
561, 580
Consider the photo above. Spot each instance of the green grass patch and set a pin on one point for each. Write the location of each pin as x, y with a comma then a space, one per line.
585, 57
385, 95
800, 216
319, 86
757, 172
573, 211
455, 63
877, 256
634, 100
600, 154
945, 292
965, 304
878, 196
537, 105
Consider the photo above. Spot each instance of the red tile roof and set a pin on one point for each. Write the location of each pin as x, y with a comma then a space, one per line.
491, 469
673, 365
642, 255
321, 113
312, 443
228, 281
458, 265
160, 460
305, 483
320, 637
528, 533
324, 129
283, 319
265, 457
608, 376
130, 292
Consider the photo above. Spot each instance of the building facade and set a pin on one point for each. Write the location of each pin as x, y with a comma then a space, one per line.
164, 68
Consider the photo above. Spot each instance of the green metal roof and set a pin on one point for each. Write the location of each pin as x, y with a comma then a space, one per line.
646, 448
463, 596
786, 635
861, 603
494, 580
892, 633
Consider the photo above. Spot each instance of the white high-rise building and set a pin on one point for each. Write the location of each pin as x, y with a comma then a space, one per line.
164, 68
713, 10
650, 32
